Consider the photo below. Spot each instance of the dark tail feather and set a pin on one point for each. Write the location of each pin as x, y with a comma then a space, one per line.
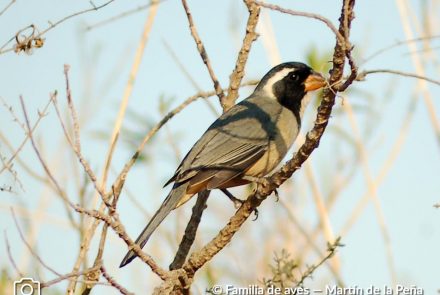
167, 206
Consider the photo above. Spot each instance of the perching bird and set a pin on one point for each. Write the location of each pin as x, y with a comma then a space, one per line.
249, 140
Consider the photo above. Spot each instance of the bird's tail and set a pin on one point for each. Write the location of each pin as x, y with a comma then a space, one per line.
167, 206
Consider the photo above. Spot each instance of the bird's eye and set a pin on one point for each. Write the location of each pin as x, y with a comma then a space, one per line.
294, 77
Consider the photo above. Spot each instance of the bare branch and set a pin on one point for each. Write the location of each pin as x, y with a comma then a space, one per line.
11, 258
38, 37
190, 231
120, 180
397, 44
116, 129
59, 190
313, 137
115, 224
113, 282
29, 246
122, 15
331, 249
321, 18
20, 147
363, 74
7, 7
249, 38
76, 137
66, 277
204, 56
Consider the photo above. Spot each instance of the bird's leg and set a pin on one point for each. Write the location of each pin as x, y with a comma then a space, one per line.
237, 202
261, 181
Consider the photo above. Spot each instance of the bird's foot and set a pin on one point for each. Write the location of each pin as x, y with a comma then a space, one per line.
255, 214
238, 202
264, 183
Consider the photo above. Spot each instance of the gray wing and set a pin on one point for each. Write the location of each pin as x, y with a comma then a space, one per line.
232, 144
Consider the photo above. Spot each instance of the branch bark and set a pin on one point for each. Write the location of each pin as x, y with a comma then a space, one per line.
198, 259
249, 38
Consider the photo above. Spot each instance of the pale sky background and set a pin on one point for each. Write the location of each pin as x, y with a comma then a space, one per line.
100, 61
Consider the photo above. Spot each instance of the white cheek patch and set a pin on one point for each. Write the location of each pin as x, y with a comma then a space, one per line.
275, 78
304, 102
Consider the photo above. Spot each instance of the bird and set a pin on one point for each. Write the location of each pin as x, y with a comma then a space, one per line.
246, 142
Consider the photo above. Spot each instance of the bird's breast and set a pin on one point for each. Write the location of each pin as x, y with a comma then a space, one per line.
279, 142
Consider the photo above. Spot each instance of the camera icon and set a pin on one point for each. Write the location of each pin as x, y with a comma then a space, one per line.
27, 286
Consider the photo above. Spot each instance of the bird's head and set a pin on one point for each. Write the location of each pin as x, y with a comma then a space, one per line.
289, 84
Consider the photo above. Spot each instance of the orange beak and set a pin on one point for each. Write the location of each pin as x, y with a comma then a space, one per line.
314, 81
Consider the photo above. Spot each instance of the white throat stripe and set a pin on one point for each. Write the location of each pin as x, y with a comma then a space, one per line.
275, 78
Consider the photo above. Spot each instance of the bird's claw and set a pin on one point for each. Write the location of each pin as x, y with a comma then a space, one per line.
263, 181
277, 196
256, 214
258, 180
237, 202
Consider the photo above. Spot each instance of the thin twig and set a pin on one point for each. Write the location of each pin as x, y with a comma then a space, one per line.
76, 137
29, 246
372, 186
331, 251
363, 74
249, 38
78, 154
115, 224
116, 130
120, 180
204, 55
190, 231
199, 258
419, 68
186, 73
113, 282
65, 277
60, 191
10, 256
122, 15
20, 147
7, 7
321, 18
397, 44
53, 25
310, 241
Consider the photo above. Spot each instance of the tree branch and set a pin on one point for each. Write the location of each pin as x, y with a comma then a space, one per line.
198, 259
204, 55
190, 231
249, 38
33, 40
361, 76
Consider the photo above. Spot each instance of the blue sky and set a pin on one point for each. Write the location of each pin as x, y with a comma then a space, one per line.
100, 61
